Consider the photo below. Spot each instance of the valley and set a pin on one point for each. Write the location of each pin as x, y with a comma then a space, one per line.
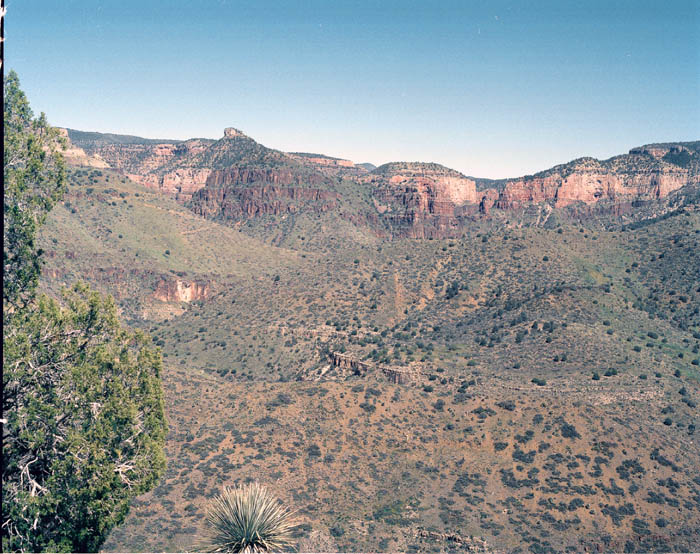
414, 359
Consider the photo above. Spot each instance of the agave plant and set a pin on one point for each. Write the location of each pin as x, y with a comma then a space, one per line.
248, 519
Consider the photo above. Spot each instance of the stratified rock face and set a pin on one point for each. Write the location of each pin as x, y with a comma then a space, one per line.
489, 197
344, 365
328, 166
248, 175
320, 159
177, 290
231, 132
644, 174
242, 192
156, 165
182, 183
347, 365
236, 202
422, 200
591, 188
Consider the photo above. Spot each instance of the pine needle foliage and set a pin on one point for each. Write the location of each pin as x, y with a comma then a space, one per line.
248, 519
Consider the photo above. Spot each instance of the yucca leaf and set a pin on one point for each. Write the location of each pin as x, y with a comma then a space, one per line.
248, 519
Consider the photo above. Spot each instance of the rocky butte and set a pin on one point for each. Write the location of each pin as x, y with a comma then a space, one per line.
421, 200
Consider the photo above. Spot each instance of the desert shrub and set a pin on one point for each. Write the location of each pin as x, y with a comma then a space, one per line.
526, 458
629, 467
369, 408
483, 413
662, 460
568, 431
282, 399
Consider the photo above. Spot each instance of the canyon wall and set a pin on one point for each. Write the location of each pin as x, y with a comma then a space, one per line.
235, 202
237, 178
591, 187
420, 200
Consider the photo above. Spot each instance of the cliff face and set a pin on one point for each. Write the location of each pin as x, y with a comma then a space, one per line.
165, 167
592, 185
182, 183
177, 290
330, 167
248, 175
422, 200
235, 202
646, 173
74, 155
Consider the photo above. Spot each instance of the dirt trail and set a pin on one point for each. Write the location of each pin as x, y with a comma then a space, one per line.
398, 296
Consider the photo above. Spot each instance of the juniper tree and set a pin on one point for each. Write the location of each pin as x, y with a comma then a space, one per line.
82, 397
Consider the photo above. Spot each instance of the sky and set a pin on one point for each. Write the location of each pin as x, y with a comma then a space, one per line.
491, 88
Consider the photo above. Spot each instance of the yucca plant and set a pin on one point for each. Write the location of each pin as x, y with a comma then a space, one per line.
248, 519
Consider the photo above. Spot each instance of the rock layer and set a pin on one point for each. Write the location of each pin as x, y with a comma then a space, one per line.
422, 200
178, 290
235, 203
593, 185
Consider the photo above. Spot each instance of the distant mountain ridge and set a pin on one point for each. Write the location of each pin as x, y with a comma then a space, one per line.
415, 199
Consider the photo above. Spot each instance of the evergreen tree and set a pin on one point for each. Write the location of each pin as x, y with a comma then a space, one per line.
82, 396
35, 177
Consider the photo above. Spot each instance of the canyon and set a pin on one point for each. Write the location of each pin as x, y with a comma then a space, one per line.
494, 385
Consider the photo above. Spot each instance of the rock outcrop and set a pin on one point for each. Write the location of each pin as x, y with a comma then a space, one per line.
235, 203
232, 132
246, 175
646, 173
399, 376
470, 544
75, 155
590, 187
422, 200
488, 200
345, 365
178, 290
182, 183
328, 166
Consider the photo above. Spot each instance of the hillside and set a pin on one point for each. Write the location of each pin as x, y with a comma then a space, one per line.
531, 386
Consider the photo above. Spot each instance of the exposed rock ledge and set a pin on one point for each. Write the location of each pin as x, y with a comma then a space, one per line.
177, 290
472, 544
347, 365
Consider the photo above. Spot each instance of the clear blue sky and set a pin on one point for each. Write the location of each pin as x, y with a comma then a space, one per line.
491, 88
